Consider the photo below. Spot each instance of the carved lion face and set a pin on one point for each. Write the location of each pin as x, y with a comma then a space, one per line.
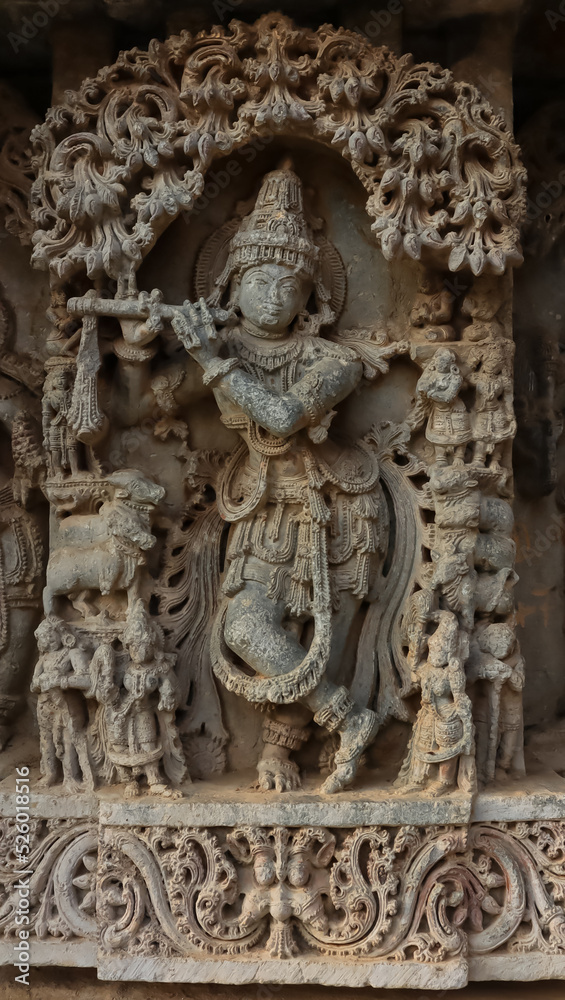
270, 296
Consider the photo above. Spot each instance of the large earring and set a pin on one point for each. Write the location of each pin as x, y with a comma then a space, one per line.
303, 321
232, 305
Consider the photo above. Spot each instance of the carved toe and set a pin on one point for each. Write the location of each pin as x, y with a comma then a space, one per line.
358, 732
47, 780
339, 778
437, 789
277, 774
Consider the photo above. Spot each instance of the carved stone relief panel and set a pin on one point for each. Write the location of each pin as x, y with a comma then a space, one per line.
313, 519
276, 450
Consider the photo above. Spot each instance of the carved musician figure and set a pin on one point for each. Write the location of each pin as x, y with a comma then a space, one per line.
309, 521
309, 518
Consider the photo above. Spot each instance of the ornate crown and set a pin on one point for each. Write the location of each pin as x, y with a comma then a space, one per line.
140, 625
59, 362
276, 231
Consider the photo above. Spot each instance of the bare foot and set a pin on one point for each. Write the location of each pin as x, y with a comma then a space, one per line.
131, 790
359, 730
413, 787
438, 788
278, 774
47, 780
163, 789
72, 786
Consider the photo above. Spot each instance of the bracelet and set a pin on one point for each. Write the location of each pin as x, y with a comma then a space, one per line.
218, 369
309, 395
129, 352
336, 709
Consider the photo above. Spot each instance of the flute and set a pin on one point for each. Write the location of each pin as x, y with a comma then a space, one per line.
184, 319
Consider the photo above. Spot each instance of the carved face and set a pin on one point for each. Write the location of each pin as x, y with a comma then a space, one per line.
55, 382
141, 651
270, 297
441, 382
498, 639
492, 365
264, 868
48, 640
131, 484
438, 653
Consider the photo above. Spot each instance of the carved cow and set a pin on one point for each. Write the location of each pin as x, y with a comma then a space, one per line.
103, 552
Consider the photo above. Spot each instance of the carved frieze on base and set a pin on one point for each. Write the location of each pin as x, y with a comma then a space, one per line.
307, 893
53, 896
383, 905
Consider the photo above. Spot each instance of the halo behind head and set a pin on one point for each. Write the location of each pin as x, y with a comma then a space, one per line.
276, 231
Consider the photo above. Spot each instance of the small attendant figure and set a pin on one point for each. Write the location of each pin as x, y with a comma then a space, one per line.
59, 440
135, 728
448, 425
493, 418
442, 738
496, 671
61, 711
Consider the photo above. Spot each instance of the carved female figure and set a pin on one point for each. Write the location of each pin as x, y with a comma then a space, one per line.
60, 674
135, 723
443, 733
448, 425
308, 517
493, 418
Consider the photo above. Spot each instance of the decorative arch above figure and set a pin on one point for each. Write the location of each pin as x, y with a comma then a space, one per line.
130, 150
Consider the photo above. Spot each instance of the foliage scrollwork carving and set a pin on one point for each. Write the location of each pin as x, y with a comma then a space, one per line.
59, 882
440, 168
429, 895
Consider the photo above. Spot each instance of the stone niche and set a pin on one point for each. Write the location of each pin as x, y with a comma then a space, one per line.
256, 510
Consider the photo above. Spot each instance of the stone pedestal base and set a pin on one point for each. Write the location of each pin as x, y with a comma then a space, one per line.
221, 887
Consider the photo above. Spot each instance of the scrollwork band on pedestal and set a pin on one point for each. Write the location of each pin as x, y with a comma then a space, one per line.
373, 893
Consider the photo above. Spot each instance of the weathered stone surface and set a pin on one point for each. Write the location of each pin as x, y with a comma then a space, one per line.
371, 905
273, 444
64, 984
441, 976
312, 528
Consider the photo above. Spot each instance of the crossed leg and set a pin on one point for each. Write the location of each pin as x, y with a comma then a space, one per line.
254, 630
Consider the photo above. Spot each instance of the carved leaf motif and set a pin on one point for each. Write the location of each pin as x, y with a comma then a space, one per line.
441, 170
16, 173
257, 891
61, 899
